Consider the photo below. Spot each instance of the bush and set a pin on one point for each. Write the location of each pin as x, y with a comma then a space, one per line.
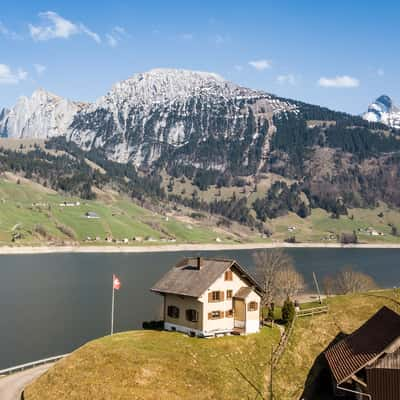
288, 311
348, 238
66, 230
154, 325
41, 230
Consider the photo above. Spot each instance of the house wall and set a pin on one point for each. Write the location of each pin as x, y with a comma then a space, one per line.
226, 323
183, 303
383, 384
253, 317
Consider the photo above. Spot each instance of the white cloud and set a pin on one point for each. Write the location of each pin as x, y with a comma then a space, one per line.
344, 81
111, 40
4, 31
54, 26
116, 35
260, 65
9, 77
380, 72
39, 68
289, 79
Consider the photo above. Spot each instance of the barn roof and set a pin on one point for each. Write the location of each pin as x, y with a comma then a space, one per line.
364, 345
390, 361
189, 280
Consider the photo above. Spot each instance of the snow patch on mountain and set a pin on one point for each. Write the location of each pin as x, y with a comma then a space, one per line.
149, 113
383, 110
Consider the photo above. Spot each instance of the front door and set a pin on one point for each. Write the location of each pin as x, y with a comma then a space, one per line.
239, 313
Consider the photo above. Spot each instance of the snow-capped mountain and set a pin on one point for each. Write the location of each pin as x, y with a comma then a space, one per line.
383, 110
148, 115
41, 116
152, 114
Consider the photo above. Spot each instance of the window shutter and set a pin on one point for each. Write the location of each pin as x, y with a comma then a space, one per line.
210, 316
210, 297
221, 296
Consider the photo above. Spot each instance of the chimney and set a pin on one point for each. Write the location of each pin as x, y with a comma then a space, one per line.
199, 262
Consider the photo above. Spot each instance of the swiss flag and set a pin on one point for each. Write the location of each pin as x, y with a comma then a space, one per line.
116, 282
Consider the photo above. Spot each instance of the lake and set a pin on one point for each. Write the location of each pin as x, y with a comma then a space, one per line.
51, 304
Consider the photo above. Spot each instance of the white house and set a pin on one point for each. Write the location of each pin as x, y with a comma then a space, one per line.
209, 297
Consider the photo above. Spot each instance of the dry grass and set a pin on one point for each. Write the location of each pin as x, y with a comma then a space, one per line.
155, 365
313, 334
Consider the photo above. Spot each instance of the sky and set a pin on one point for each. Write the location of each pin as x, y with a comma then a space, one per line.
340, 54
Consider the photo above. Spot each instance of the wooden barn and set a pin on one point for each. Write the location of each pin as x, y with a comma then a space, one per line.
366, 364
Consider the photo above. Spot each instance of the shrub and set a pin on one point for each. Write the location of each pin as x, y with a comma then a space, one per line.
41, 230
288, 311
154, 325
66, 230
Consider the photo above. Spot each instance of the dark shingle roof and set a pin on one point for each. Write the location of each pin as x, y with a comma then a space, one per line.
186, 279
364, 345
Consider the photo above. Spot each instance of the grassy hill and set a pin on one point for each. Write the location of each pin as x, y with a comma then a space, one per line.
151, 364
35, 215
154, 365
31, 214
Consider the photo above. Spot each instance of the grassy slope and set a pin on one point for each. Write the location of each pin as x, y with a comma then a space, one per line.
120, 217
313, 334
150, 365
318, 226
154, 365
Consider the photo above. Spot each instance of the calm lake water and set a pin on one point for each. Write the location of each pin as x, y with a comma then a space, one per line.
53, 303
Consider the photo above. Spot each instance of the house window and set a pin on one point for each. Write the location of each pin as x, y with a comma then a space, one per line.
229, 294
215, 296
192, 315
215, 315
228, 275
229, 314
173, 311
252, 306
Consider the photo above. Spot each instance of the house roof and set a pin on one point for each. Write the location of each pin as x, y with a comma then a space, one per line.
389, 361
186, 279
364, 345
243, 292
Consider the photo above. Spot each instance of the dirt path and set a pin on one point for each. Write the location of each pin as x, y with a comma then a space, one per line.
11, 386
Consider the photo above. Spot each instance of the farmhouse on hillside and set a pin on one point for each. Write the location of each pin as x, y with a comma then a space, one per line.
209, 297
366, 364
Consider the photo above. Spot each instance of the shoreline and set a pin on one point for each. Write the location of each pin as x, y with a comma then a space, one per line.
9, 250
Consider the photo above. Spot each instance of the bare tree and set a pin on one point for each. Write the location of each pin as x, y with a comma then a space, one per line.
350, 281
329, 284
278, 277
289, 282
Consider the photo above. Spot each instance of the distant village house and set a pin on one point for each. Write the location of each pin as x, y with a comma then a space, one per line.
91, 215
209, 297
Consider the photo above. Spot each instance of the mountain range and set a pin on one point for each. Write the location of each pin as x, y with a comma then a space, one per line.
161, 111
198, 125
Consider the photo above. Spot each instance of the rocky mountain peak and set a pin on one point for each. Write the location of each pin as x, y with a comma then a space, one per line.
383, 110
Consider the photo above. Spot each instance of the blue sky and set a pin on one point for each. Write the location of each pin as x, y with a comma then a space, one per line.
340, 54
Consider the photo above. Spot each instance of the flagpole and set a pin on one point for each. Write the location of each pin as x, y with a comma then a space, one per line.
112, 308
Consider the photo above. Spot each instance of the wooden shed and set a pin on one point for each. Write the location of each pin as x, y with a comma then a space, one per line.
366, 363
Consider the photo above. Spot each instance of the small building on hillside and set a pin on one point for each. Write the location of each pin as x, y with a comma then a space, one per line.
91, 215
209, 297
366, 364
